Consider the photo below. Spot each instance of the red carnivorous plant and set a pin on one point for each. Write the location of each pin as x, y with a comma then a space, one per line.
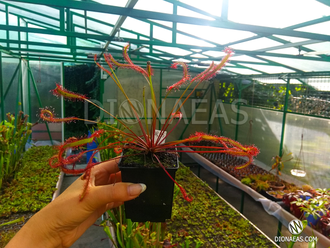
148, 143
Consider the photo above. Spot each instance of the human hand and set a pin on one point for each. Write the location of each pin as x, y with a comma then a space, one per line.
65, 219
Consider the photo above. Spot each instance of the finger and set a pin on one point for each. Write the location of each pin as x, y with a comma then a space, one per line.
119, 192
115, 178
110, 166
101, 173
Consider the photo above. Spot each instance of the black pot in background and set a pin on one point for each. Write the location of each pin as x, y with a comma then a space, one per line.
154, 204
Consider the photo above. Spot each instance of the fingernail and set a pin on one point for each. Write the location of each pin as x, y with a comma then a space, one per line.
136, 189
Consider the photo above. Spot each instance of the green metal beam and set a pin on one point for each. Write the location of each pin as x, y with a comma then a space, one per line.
38, 52
300, 25
29, 93
1, 90
102, 8
285, 111
210, 106
326, 2
188, 57
174, 25
39, 100
238, 108
154, 42
7, 22
18, 94
224, 10
129, 6
160, 43
62, 19
11, 81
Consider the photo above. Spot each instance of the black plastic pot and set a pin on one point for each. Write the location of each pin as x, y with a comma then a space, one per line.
155, 204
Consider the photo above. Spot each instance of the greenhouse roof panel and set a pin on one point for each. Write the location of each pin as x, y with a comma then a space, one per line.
290, 38
213, 34
184, 39
137, 26
277, 14
155, 6
246, 59
209, 6
162, 34
318, 49
120, 3
167, 30
18, 6
186, 12
320, 28
164, 23
243, 71
173, 50
269, 69
102, 17
301, 64
257, 44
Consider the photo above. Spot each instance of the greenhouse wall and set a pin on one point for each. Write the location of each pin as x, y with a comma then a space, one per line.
133, 84
278, 115
26, 87
286, 115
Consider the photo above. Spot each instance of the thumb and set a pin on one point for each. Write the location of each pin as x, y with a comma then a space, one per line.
118, 192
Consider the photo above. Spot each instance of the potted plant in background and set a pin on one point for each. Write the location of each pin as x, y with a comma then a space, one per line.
312, 208
278, 166
14, 134
325, 224
150, 149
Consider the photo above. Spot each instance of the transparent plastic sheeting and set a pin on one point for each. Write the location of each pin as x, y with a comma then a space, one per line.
271, 207
262, 128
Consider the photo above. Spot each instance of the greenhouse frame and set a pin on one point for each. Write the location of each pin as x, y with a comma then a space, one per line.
273, 93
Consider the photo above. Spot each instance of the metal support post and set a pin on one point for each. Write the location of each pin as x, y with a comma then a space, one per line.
160, 97
217, 185
21, 83
215, 100
238, 108
151, 36
62, 102
279, 231
242, 202
29, 92
18, 93
210, 112
1, 91
11, 81
284, 116
174, 28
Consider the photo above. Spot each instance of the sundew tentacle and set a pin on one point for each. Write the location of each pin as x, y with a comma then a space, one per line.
185, 77
48, 115
183, 192
229, 146
60, 91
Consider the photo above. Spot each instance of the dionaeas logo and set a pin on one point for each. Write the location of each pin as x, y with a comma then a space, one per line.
295, 227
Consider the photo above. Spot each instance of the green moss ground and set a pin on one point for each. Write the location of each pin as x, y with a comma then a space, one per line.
208, 220
30, 191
